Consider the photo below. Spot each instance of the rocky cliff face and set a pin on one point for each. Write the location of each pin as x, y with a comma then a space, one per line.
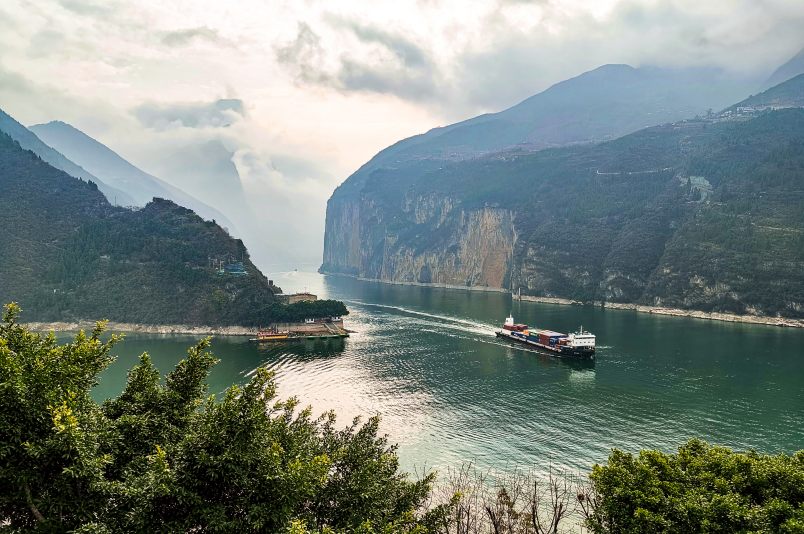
477, 251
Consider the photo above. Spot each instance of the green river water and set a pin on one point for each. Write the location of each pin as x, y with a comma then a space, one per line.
449, 391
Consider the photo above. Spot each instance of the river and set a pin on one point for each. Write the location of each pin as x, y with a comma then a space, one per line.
449, 391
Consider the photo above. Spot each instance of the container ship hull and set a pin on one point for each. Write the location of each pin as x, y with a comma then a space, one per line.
561, 352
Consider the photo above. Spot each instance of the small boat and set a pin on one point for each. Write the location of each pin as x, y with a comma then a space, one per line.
267, 336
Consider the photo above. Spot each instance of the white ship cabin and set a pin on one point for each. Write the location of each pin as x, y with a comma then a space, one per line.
581, 339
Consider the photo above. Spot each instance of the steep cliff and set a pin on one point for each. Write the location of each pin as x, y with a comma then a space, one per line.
695, 215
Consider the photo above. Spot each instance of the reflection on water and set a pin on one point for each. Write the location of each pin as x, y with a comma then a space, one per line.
449, 390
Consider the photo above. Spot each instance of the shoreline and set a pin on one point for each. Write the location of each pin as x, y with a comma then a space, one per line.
657, 310
134, 328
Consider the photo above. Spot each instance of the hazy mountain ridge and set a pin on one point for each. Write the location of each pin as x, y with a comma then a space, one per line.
689, 215
29, 141
789, 70
68, 254
110, 167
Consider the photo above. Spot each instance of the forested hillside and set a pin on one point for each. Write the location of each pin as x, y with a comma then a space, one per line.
68, 254
694, 215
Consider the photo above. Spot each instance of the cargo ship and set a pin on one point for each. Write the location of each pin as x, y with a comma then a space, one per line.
579, 344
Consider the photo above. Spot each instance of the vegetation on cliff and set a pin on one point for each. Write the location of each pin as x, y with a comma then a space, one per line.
68, 254
165, 457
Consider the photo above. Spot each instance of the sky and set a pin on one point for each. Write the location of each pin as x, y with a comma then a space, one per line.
303, 92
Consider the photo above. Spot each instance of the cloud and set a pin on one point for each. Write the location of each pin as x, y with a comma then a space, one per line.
88, 8
180, 38
304, 56
44, 43
219, 114
400, 67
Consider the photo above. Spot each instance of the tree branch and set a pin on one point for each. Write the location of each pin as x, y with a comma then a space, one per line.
29, 500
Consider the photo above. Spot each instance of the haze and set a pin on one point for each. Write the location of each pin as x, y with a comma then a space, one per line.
300, 94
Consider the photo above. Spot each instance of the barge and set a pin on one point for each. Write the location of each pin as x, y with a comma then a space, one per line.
269, 336
579, 345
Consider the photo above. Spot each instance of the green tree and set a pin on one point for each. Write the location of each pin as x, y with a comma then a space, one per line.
702, 488
164, 457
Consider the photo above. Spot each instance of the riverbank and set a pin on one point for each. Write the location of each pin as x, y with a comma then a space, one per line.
713, 316
87, 326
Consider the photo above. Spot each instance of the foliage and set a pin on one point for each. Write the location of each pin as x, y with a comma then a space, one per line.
700, 489
163, 457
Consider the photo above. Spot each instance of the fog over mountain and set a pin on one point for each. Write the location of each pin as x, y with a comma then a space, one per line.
301, 95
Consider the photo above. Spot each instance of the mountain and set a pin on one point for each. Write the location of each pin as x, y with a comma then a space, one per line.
68, 254
791, 69
606, 103
29, 141
787, 94
697, 215
117, 172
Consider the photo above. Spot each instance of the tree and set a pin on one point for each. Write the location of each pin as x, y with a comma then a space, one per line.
702, 488
167, 458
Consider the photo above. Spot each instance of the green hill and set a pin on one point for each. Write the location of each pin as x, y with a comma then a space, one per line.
687, 215
68, 254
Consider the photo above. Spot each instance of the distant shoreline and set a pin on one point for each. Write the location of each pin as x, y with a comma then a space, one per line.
656, 310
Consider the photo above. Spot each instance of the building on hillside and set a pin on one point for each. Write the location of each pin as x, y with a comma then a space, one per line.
297, 297
233, 268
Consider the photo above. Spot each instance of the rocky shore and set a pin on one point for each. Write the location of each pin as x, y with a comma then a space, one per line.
728, 317
87, 326
144, 328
